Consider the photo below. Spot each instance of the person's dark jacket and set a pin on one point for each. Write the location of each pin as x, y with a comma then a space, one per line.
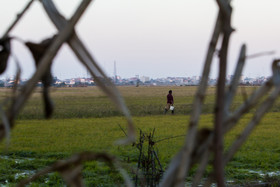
170, 99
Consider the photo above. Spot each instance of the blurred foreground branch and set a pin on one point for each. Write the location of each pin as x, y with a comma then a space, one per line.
71, 169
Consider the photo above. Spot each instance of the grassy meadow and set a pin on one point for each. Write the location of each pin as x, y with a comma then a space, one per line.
85, 120
142, 101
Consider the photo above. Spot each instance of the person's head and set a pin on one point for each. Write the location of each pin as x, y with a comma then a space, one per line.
170, 91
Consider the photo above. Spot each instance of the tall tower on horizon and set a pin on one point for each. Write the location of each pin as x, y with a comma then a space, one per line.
115, 72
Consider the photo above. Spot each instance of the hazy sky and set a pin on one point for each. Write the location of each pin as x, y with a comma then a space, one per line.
155, 38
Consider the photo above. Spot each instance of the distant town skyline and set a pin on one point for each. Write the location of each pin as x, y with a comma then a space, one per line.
137, 81
158, 38
86, 74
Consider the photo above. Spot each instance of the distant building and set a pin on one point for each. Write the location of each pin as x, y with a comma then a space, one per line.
70, 82
144, 79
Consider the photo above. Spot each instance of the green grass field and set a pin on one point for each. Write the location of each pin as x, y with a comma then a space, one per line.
85, 120
142, 101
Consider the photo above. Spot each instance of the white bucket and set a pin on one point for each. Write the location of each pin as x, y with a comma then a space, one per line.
172, 107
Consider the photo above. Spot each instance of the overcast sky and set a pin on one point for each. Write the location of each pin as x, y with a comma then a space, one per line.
155, 38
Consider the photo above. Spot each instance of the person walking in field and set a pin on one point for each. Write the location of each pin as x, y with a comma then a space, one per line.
170, 102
